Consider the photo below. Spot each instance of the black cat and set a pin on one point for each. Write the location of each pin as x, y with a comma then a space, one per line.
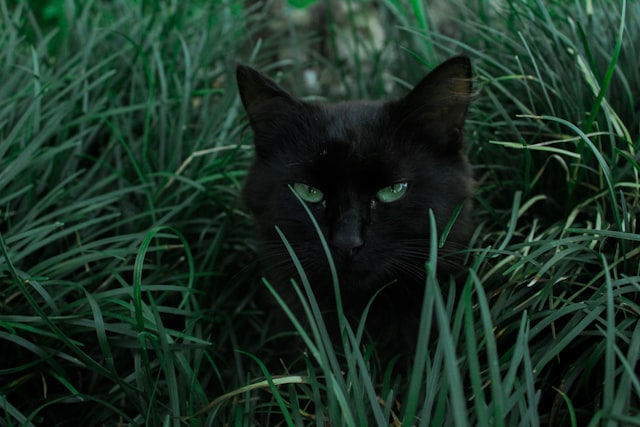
369, 172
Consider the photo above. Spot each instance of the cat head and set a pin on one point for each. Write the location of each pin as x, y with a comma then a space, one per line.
368, 171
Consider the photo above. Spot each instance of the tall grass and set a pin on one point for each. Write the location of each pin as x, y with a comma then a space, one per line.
129, 293
119, 177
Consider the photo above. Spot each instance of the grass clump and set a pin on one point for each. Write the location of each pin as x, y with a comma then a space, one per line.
128, 285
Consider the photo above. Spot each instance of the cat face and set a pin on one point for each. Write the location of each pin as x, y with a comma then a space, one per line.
369, 172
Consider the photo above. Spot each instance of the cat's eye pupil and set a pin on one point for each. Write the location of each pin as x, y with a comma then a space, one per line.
308, 193
392, 193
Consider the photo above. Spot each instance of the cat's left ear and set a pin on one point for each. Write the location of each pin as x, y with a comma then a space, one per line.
265, 102
438, 104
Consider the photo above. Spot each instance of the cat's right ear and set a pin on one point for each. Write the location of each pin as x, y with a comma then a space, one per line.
263, 99
438, 104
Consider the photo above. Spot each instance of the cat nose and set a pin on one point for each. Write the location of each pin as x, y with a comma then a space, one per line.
348, 242
347, 234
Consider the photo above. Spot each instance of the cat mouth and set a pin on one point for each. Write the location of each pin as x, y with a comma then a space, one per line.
354, 274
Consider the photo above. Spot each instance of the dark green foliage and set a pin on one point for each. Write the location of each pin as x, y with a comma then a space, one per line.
127, 275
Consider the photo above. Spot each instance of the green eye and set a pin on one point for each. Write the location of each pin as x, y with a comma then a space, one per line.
308, 193
392, 193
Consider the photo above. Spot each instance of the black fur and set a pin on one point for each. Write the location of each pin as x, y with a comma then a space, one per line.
350, 151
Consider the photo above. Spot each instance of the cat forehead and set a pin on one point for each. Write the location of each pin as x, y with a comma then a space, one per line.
352, 121
354, 141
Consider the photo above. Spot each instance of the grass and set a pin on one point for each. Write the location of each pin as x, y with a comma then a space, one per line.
128, 285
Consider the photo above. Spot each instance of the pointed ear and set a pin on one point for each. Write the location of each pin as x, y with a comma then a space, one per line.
438, 104
263, 99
